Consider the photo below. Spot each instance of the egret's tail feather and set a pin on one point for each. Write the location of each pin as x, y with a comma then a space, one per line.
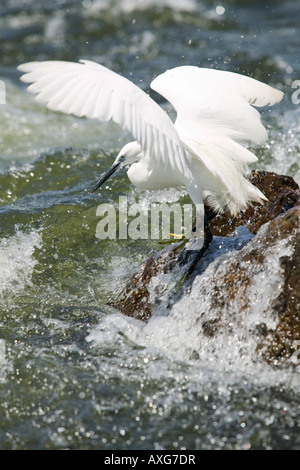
222, 201
222, 165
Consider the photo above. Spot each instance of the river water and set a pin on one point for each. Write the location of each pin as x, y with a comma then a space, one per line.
76, 374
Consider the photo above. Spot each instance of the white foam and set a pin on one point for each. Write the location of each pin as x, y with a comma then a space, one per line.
17, 261
181, 332
129, 6
284, 146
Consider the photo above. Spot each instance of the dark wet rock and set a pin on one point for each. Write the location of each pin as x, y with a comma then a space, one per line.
246, 283
134, 299
282, 193
273, 237
286, 305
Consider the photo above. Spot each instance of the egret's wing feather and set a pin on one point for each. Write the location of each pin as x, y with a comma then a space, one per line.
209, 101
93, 91
216, 120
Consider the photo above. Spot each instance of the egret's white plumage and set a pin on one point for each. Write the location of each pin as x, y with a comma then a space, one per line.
205, 150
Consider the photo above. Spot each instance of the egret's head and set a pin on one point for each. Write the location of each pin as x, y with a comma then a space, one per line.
129, 154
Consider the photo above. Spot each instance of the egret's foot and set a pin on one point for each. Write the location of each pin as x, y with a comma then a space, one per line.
177, 236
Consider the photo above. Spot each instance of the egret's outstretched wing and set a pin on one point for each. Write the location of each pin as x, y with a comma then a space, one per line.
209, 101
91, 90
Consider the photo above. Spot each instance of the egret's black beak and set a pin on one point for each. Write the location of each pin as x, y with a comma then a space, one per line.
106, 175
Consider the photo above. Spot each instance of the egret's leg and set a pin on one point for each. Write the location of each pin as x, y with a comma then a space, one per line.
192, 256
207, 232
211, 216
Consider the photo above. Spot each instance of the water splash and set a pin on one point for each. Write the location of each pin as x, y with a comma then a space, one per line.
205, 324
17, 261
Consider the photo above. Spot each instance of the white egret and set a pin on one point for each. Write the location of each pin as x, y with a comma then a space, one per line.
204, 150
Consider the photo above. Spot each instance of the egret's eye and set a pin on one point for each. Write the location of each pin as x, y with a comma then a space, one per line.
121, 159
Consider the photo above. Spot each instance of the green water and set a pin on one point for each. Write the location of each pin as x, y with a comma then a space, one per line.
76, 374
